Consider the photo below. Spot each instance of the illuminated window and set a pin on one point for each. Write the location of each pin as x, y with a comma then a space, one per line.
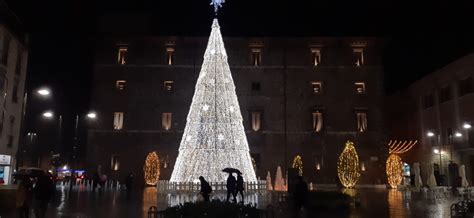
122, 55
256, 86
256, 56
358, 56
169, 55
120, 84
360, 87
168, 85
115, 162
316, 56
361, 121
118, 120
317, 120
166, 121
317, 87
256, 117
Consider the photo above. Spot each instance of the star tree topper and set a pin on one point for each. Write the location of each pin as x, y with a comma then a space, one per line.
217, 4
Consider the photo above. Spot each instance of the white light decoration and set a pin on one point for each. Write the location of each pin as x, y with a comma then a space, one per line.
218, 137
205, 107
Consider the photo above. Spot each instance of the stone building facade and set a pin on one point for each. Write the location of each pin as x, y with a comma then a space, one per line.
437, 110
13, 63
298, 96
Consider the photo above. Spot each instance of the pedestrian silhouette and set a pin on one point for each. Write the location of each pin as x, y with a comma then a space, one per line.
231, 187
129, 184
206, 189
240, 186
300, 194
42, 194
24, 197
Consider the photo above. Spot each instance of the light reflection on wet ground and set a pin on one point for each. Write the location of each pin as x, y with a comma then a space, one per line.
116, 203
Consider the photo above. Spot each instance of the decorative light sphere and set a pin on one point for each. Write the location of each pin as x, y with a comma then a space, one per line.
151, 169
394, 170
348, 166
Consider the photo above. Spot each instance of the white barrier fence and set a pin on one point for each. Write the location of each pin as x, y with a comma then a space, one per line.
165, 186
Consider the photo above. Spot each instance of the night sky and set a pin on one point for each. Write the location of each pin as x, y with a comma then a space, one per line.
420, 37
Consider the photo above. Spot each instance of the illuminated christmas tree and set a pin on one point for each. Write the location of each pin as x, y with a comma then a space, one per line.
214, 136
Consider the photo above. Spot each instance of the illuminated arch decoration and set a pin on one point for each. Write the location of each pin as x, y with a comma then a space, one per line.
298, 164
151, 168
348, 166
394, 165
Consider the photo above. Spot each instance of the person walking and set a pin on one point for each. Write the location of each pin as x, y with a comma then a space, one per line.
42, 194
240, 186
231, 187
300, 195
24, 197
206, 189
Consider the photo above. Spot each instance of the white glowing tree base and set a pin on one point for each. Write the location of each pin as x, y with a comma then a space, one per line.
214, 137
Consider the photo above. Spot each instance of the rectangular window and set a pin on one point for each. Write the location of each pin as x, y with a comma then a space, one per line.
166, 121
449, 134
120, 84
15, 92
122, 55
361, 121
168, 85
445, 94
256, 56
316, 56
118, 120
255, 161
256, 86
360, 87
465, 86
10, 141
358, 56
115, 162
256, 117
317, 87
5, 49
18, 62
169, 55
317, 120
12, 124
428, 101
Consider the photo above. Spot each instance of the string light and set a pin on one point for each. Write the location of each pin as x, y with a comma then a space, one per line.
394, 170
348, 166
152, 169
214, 136
298, 164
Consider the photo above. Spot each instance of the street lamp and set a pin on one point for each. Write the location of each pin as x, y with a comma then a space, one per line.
430, 134
458, 134
48, 114
91, 115
466, 126
44, 92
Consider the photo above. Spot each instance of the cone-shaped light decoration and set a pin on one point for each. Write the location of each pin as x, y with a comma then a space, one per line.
214, 136
348, 166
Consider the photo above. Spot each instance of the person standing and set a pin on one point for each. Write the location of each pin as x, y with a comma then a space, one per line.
240, 186
300, 195
206, 189
42, 194
231, 186
129, 184
24, 197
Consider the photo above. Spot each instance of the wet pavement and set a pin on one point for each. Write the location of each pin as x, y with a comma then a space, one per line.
116, 203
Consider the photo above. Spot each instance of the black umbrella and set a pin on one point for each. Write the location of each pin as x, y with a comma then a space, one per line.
231, 170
